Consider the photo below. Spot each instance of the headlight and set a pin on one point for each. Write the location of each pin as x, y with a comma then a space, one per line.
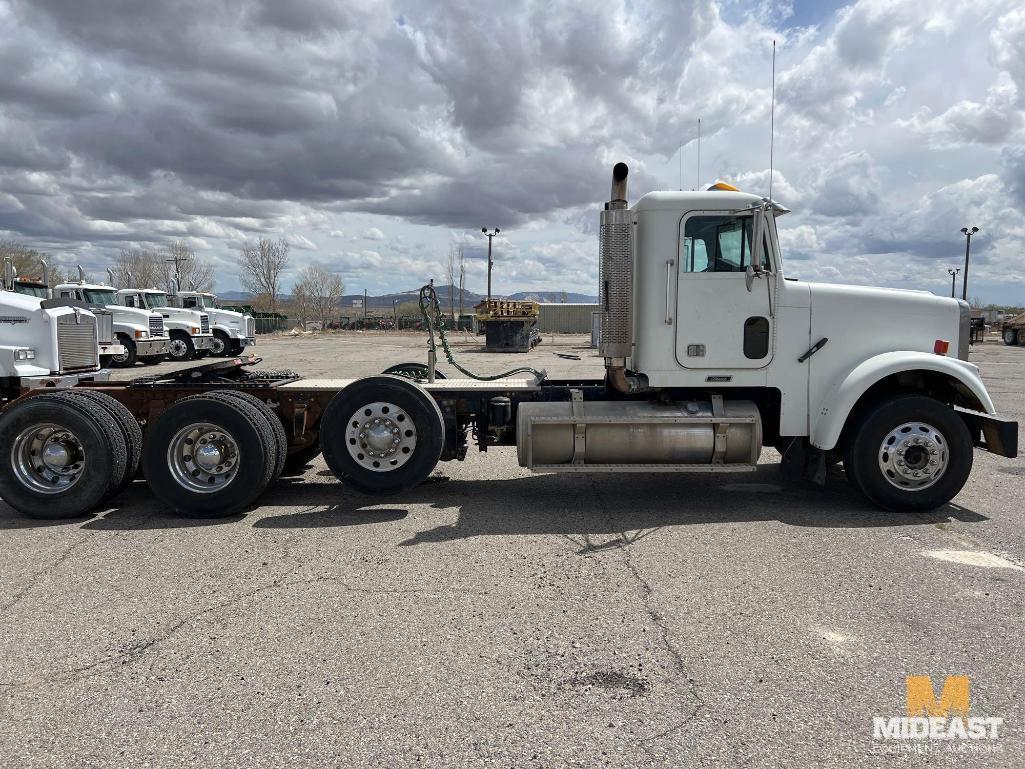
26, 354
193, 331
141, 334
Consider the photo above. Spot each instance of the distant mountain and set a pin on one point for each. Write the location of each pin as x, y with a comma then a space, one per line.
556, 297
387, 301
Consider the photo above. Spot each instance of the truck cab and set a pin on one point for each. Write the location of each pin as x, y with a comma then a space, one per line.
107, 345
43, 346
189, 330
712, 351
233, 331
140, 332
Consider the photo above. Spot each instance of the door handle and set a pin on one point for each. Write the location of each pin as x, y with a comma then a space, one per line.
669, 279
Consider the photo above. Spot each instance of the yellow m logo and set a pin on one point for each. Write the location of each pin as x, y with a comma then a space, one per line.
921, 698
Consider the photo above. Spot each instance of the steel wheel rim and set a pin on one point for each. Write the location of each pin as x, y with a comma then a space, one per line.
1008, 335
203, 457
178, 348
219, 346
123, 358
913, 456
380, 437
47, 458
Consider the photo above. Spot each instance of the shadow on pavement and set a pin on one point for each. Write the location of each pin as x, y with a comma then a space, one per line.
537, 504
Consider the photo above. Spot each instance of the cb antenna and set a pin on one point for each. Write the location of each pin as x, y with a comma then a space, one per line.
772, 117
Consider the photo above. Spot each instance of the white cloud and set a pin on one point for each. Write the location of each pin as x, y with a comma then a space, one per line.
372, 233
991, 121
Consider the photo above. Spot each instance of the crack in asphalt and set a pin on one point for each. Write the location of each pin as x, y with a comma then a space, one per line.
44, 572
647, 597
135, 652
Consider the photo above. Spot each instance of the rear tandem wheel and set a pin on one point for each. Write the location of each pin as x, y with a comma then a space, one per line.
208, 456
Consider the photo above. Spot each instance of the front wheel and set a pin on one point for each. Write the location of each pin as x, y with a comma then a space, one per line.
126, 360
222, 345
1010, 336
181, 349
382, 434
910, 453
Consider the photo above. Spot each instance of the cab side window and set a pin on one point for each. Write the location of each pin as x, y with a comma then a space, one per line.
129, 301
716, 244
189, 302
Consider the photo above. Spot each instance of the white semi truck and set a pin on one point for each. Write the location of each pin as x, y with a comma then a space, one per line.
710, 353
140, 332
107, 345
233, 331
189, 330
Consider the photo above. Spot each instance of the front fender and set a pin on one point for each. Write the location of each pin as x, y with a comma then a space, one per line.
830, 414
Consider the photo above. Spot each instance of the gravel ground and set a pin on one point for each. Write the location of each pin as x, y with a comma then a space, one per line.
495, 618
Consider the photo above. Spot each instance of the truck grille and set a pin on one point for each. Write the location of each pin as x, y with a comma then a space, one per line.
615, 283
104, 326
204, 323
156, 325
250, 326
76, 342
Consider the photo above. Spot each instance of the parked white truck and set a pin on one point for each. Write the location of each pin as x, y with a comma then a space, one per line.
107, 345
710, 355
189, 330
233, 331
140, 332
44, 343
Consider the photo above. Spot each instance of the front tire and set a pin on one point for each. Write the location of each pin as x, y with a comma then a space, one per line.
382, 434
128, 359
910, 453
150, 360
181, 349
1010, 336
222, 345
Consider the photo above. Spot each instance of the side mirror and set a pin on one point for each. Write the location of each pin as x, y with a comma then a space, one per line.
749, 277
757, 238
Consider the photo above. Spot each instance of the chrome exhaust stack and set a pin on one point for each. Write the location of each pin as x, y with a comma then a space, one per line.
615, 279
45, 272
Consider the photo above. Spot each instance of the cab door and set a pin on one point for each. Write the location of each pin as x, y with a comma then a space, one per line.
724, 307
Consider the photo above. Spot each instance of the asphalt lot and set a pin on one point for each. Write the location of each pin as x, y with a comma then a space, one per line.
495, 618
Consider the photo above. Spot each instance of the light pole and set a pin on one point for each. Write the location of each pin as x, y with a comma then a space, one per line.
967, 250
490, 235
953, 278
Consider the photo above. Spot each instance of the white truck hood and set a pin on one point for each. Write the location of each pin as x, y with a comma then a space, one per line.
883, 319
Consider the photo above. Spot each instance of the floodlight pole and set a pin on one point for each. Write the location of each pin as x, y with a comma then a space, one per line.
967, 251
489, 235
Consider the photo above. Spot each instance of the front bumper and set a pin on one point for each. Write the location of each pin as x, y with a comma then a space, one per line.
245, 341
148, 347
203, 342
991, 432
112, 349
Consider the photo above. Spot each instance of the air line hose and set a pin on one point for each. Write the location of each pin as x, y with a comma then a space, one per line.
430, 308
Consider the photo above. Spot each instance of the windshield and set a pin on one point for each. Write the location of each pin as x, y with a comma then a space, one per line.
197, 302
24, 288
99, 296
155, 300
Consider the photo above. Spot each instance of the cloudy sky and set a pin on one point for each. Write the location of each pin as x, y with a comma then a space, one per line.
375, 136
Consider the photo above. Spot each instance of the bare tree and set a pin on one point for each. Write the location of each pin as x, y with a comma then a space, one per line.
25, 259
462, 278
301, 305
320, 291
137, 268
260, 267
179, 261
451, 275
